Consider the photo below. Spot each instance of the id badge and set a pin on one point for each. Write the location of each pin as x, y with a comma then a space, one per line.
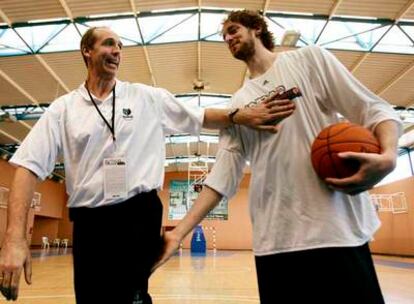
115, 178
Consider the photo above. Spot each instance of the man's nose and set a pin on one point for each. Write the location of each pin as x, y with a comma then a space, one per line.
227, 38
116, 49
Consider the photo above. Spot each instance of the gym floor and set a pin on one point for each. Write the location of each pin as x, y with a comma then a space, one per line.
226, 277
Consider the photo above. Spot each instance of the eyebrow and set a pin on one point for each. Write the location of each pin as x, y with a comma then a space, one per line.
228, 29
119, 42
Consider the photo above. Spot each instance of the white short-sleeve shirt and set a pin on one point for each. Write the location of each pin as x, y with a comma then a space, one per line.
71, 126
290, 207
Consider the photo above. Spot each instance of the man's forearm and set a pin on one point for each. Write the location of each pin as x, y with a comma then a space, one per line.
206, 201
216, 118
21, 194
257, 117
387, 133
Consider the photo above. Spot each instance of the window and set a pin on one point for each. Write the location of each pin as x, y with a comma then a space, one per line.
401, 171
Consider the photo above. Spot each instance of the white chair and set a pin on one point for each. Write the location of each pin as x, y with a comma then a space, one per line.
56, 243
45, 242
64, 243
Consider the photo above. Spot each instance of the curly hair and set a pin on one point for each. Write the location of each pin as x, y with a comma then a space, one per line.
253, 20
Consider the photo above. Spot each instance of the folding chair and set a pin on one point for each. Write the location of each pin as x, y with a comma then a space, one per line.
45, 242
64, 243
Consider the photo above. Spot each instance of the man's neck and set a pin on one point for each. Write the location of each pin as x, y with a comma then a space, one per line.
100, 87
262, 60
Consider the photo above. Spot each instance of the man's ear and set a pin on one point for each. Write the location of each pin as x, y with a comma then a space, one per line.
86, 53
258, 31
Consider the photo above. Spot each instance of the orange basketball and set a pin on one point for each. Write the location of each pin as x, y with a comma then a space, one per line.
341, 137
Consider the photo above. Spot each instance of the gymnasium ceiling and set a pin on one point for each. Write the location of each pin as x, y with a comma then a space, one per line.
174, 44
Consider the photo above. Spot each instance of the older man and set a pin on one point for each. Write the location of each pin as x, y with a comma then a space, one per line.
111, 134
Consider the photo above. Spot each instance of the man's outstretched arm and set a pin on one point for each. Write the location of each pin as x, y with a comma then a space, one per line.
15, 254
205, 202
255, 117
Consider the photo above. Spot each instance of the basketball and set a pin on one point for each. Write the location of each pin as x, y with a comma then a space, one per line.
341, 137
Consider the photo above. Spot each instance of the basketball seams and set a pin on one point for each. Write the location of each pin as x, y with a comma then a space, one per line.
347, 142
328, 146
321, 160
338, 138
337, 132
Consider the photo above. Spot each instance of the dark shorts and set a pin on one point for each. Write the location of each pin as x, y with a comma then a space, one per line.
114, 248
326, 275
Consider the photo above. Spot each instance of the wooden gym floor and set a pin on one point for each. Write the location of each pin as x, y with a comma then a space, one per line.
227, 277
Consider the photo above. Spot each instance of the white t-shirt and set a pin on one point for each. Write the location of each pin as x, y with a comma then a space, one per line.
290, 207
71, 126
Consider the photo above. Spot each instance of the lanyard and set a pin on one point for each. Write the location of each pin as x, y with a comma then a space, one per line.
100, 113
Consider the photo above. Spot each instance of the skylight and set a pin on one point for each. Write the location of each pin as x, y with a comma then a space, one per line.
11, 44
352, 35
396, 41
126, 28
358, 33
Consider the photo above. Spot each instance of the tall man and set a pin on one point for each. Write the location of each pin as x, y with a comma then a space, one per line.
310, 237
111, 135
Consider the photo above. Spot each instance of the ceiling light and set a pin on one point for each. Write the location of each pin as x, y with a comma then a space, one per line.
290, 38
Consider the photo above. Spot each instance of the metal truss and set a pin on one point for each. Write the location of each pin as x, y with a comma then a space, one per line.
22, 112
164, 27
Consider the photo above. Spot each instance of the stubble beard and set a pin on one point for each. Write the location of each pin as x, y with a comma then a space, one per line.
246, 51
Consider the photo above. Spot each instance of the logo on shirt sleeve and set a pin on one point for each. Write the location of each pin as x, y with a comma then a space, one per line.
127, 114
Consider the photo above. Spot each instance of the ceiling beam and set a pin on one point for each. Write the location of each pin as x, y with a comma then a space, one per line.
266, 6
25, 124
146, 55
10, 136
148, 61
5, 18
199, 77
18, 87
396, 78
359, 62
199, 74
405, 9
11, 81
334, 8
144, 47
133, 7
52, 72
67, 9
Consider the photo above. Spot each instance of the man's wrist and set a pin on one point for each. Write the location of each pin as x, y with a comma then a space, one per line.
232, 112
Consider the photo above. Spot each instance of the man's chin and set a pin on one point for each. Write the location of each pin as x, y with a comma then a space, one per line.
111, 71
240, 56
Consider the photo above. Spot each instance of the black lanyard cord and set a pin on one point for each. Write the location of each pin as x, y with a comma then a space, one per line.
112, 128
